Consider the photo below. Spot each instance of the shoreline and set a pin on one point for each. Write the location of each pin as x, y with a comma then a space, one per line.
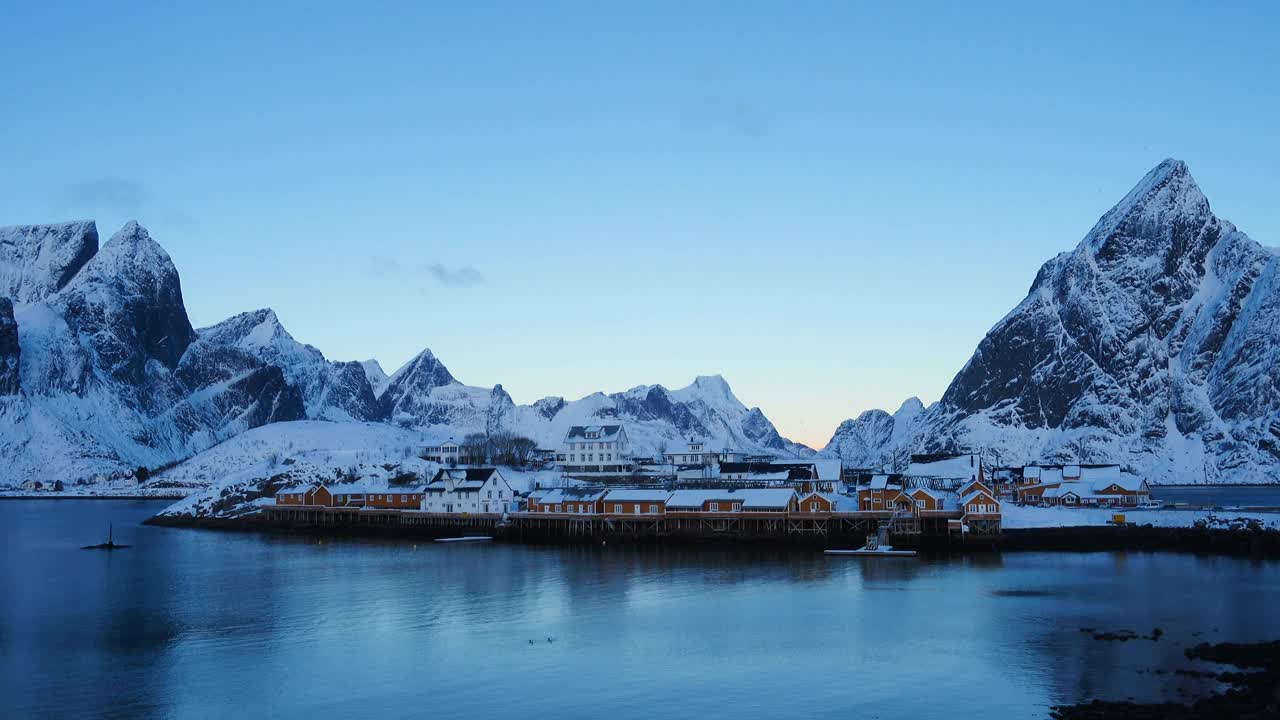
51, 496
1263, 544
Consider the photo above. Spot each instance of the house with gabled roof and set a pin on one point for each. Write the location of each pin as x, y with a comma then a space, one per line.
574, 501
595, 449
883, 492
1082, 484
300, 495
481, 491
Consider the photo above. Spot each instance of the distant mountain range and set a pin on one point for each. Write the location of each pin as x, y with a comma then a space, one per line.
101, 373
1151, 344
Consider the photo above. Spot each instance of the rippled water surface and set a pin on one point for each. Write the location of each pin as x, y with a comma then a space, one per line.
201, 624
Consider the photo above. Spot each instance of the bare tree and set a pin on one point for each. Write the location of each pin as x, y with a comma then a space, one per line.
473, 448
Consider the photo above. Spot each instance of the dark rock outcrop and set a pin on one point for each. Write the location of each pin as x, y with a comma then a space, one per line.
10, 351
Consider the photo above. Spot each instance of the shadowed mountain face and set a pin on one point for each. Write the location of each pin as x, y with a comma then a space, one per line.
1150, 344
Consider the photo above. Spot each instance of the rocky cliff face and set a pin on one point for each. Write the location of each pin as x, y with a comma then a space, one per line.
37, 261
10, 351
1151, 344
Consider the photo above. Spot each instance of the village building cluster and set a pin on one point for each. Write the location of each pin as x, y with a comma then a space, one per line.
604, 480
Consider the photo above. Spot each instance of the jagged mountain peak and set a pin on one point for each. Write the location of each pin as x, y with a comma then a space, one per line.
910, 407
37, 261
374, 372
1166, 205
425, 371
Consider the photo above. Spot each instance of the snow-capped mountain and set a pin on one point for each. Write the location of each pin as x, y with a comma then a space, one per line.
877, 439
424, 394
110, 374
1152, 344
101, 373
335, 391
657, 418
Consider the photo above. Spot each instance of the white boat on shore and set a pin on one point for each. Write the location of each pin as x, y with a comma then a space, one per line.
468, 538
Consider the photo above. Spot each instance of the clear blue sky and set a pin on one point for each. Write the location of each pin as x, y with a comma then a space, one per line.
827, 203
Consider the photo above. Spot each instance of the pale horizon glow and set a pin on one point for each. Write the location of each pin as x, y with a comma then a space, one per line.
829, 205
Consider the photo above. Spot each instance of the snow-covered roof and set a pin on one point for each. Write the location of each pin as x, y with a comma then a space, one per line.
839, 503
299, 490
563, 495
696, 497
879, 482
1079, 489
637, 495
955, 467
593, 432
829, 469
351, 489
1093, 481
767, 498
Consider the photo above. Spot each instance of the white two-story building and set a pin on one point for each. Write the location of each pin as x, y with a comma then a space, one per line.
602, 449
446, 453
468, 490
695, 453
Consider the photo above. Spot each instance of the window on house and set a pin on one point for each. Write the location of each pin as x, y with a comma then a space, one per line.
653, 508
617, 508
715, 507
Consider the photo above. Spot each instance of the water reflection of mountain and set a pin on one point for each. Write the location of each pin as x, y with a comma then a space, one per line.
310, 627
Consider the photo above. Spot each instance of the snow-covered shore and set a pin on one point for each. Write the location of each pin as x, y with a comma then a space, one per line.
1020, 517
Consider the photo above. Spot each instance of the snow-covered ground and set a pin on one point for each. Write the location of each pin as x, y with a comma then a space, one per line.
239, 474
1016, 517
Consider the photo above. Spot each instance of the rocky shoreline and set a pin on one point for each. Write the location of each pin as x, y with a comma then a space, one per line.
1253, 690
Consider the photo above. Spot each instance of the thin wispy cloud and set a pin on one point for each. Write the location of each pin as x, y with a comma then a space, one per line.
423, 277
465, 276
117, 195
381, 265
727, 113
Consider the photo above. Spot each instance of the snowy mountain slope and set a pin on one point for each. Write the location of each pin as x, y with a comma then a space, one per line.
107, 376
244, 470
37, 261
425, 394
1152, 344
374, 373
658, 419
330, 390
876, 439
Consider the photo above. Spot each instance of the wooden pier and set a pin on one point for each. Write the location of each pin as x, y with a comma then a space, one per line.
820, 528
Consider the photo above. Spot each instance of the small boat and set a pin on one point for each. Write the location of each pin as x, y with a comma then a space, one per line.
878, 552
876, 547
110, 544
468, 538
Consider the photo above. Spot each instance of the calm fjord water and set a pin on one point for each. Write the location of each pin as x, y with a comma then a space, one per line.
193, 624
